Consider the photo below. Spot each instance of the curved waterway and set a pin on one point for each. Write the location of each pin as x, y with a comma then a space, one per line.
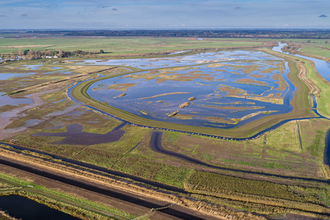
323, 68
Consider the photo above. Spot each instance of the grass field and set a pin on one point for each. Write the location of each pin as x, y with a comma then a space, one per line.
280, 151
117, 46
323, 52
267, 198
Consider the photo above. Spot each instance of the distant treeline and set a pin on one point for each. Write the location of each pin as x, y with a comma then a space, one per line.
234, 33
46, 54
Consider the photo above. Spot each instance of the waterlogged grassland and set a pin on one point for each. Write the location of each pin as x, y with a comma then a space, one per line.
92, 122
131, 154
29, 74
158, 93
54, 104
71, 204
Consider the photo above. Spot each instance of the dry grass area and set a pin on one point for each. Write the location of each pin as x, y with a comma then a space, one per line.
274, 100
313, 89
263, 197
165, 94
232, 90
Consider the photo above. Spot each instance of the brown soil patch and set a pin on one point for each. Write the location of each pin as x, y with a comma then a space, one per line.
121, 87
231, 90
234, 107
257, 75
164, 94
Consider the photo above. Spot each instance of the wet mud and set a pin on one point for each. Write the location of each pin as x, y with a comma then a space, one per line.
75, 135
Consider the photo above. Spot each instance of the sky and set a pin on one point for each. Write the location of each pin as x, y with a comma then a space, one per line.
163, 14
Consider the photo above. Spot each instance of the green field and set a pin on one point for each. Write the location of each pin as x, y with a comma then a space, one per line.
117, 46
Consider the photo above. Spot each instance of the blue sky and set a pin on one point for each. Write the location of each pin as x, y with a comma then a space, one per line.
166, 14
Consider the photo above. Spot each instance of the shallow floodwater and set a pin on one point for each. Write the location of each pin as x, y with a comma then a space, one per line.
6, 76
227, 94
178, 52
209, 57
6, 100
23, 208
33, 67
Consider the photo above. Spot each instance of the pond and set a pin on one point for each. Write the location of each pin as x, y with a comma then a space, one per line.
6, 100
249, 86
33, 67
6, 76
23, 208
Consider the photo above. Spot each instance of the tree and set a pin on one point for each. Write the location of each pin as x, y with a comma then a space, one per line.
101, 51
26, 52
60, 52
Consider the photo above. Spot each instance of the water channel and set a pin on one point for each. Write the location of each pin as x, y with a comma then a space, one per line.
23, 208
323, 68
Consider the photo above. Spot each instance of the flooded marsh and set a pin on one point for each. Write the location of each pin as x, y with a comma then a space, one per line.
235, 91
